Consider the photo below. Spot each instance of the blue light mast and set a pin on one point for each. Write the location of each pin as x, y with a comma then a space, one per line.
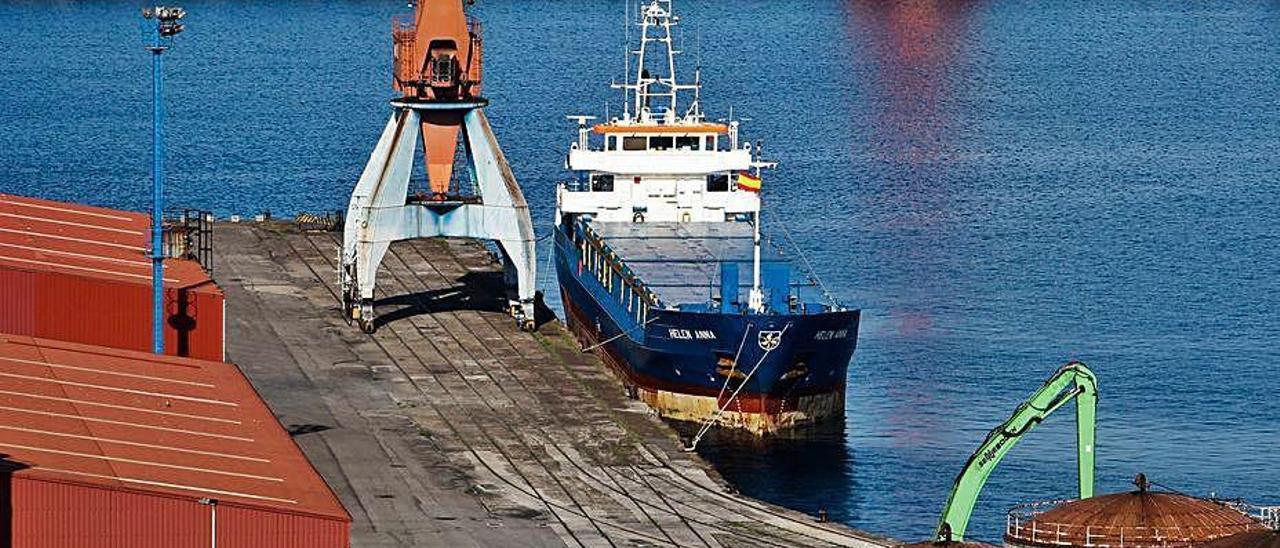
165, 28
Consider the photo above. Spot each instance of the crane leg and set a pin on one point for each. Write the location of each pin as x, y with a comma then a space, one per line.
379, 214
518, 271
437, 70
508, 221
375, 215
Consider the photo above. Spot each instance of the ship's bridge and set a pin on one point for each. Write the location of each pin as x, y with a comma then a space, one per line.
650, 172
642, 149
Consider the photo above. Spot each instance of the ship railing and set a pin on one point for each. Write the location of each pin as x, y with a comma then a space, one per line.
1023, 528
598, 254
1268, 515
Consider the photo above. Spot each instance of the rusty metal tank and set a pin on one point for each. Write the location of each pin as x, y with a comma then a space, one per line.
1139, 519
933, 544
1247, 539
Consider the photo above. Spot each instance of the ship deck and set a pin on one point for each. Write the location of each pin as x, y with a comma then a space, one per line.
681, 261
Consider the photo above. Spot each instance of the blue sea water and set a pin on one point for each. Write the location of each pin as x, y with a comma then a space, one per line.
1000, 186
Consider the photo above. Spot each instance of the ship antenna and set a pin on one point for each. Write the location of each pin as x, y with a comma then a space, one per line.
696, 108
697, 72
626, 56
698, 47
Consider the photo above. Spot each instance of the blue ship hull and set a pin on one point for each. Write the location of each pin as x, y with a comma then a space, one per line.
759, 372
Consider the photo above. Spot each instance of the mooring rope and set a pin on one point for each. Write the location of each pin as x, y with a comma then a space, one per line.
693, 445
545, 275
826, 292
618, 336
736, 356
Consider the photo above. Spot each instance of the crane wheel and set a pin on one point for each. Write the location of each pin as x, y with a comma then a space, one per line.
347, 309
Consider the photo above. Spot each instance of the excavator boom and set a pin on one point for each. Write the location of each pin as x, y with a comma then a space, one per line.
1073, 381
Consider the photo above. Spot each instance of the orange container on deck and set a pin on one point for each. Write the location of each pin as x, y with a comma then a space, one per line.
81, 274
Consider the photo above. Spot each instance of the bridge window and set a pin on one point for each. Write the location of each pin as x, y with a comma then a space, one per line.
611, 142
634, 143
660, 143
718, 182
711, 142
688, 143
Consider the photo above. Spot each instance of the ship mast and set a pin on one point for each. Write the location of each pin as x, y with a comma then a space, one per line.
651, 96
656, 21
755, 299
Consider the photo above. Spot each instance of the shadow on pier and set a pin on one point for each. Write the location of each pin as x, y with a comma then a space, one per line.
474, 291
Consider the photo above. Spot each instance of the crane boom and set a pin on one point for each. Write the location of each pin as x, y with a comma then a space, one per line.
1073, 381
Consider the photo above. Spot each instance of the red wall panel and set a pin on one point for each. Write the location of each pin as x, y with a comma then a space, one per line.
240, 527
47, 514
54, 514
17, 302
101, 312
195, 324
98, 312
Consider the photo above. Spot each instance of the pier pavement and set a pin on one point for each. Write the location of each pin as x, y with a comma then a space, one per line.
451, 427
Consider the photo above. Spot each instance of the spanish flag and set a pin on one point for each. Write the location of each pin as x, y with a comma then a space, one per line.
748, 182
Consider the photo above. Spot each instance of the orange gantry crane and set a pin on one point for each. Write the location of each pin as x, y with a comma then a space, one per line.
437, 71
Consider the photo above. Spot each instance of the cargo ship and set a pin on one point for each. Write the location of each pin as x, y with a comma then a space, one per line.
663, 270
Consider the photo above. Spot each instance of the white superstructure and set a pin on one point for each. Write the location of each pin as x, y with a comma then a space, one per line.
656, 162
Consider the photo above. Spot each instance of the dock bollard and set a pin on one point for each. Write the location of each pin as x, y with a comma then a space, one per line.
822, 515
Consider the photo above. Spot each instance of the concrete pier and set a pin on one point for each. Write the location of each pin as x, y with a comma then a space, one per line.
450, 427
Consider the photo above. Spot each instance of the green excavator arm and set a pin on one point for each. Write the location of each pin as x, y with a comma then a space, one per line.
1072, 381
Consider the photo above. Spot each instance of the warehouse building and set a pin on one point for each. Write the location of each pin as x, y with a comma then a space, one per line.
111, 448
82, 274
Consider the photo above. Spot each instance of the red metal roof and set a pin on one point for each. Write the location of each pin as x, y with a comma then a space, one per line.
87, 241
131, 420
705, 127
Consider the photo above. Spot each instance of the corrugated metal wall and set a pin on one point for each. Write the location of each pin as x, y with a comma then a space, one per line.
17, 302
59, 515
251, 528
108, 313
50, 514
